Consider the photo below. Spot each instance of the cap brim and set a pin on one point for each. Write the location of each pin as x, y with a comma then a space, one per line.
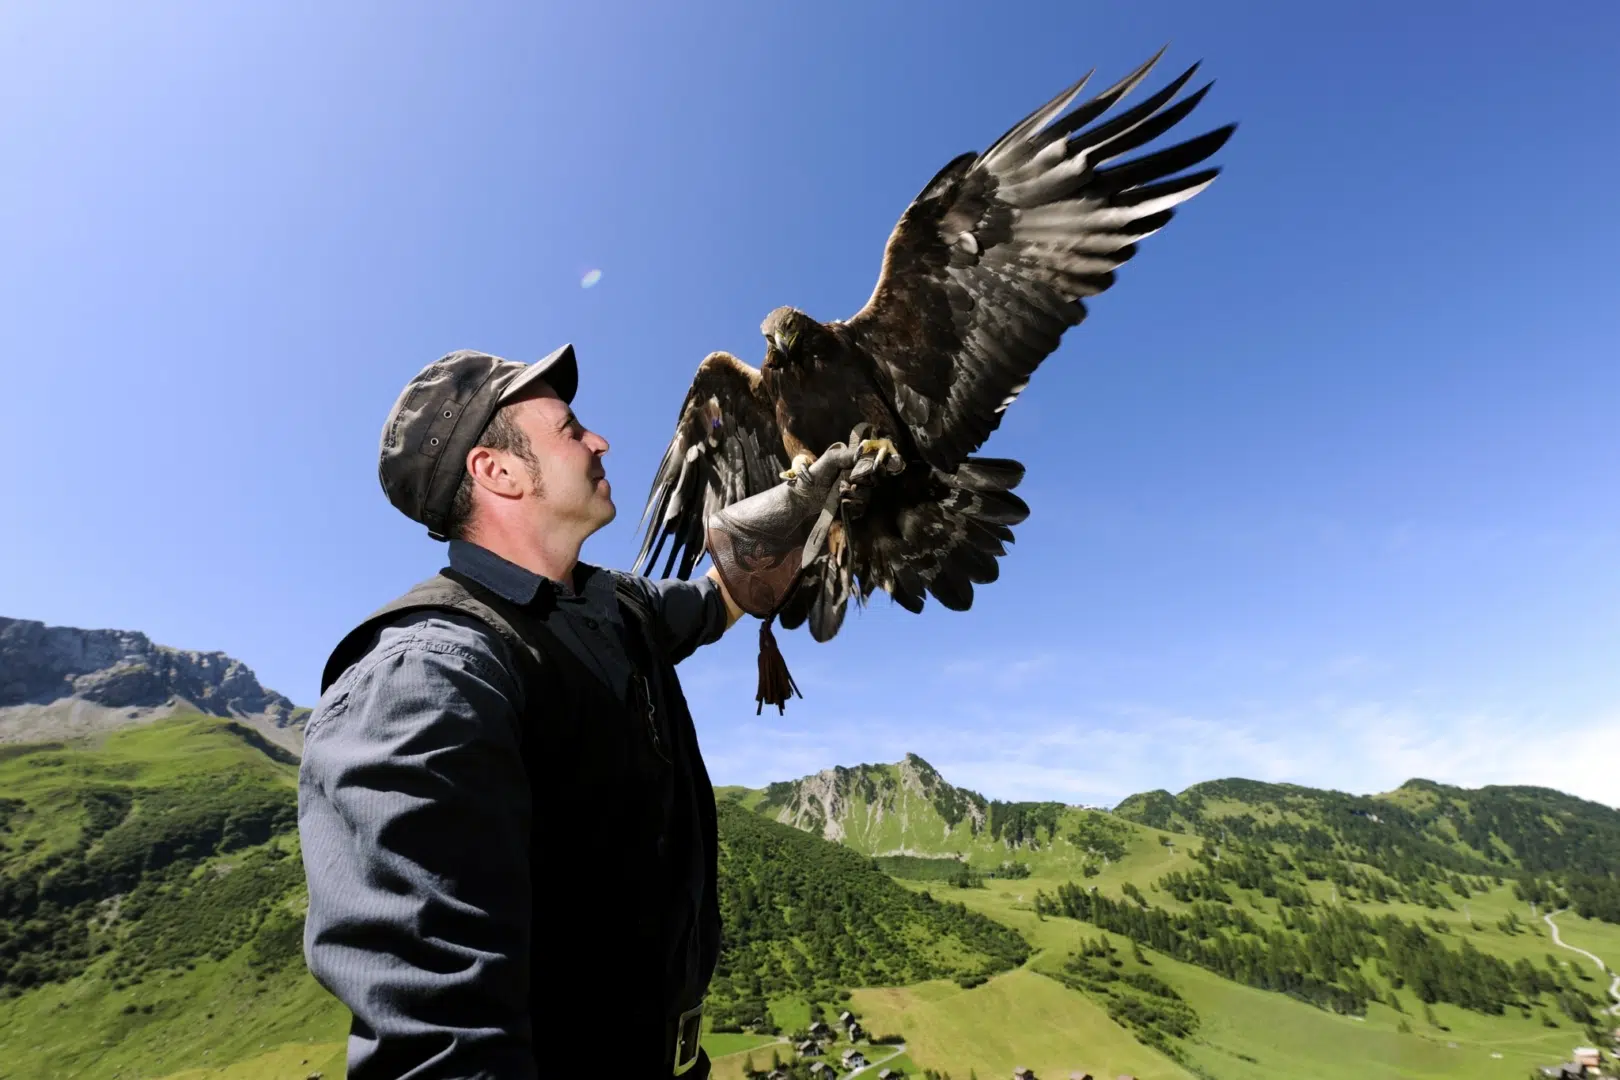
559, 369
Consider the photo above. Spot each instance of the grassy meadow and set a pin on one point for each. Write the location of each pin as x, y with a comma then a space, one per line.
1250, 1034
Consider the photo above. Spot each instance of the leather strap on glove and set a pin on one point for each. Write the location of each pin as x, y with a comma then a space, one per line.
760, 544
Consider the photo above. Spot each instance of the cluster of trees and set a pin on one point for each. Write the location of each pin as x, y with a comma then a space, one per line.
132, 839
1100, 835
1020, 824
178, 918
1137, 1000
1594, 897
1320, 955
918, 867
1591, 895
801, 915
1011, 870
1156, 809
1547, 830
1384, 851
1225, 940
949, 870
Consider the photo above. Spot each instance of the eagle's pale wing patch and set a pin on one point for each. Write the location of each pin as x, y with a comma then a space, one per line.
989, 265
726, 447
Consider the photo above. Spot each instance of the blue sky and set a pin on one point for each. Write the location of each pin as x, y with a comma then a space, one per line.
1324, 490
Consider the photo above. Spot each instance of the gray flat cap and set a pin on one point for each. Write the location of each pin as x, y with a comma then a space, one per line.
441, 414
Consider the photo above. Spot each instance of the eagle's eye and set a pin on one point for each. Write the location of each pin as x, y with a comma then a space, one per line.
784, 341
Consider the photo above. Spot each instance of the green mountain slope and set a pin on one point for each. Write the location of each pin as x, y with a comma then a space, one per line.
1414, 901
1563, 851
151, 902
1420, 905
805, 918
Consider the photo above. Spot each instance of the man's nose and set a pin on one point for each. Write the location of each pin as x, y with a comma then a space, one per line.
598, 444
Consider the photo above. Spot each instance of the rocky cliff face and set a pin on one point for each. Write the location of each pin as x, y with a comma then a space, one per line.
60, 677
903, 808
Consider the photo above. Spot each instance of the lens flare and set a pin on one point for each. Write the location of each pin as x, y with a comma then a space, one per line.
591, 278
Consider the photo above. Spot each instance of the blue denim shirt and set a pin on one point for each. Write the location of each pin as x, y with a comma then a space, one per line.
413, 809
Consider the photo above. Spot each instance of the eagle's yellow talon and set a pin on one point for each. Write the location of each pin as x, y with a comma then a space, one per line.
882, 452
801, 463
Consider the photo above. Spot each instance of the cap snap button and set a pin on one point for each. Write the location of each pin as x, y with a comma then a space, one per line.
433, 441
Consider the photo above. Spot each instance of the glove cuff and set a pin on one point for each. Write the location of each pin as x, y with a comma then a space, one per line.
757, 546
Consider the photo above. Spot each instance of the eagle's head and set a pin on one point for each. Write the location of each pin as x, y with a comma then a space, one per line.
791, 337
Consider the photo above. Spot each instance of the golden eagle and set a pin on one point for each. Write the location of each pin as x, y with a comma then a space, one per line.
986, 269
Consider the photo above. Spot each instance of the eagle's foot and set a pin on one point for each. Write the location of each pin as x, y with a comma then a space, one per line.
882, 454
801, 462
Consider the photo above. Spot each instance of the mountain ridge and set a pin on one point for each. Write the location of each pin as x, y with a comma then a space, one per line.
67, 682
908, 809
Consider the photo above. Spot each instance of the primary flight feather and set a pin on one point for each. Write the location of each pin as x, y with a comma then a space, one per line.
984, 272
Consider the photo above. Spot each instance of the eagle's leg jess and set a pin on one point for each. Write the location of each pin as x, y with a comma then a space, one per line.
801, 462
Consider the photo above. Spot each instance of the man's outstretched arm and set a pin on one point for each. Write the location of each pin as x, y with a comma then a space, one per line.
414, 815
733, 612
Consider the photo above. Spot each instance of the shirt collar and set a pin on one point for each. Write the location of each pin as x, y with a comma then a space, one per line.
515, 583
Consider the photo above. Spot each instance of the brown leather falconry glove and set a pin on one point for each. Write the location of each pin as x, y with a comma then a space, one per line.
758, 545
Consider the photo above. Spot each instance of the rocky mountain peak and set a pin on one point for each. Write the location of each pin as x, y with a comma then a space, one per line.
844, 800
62, 680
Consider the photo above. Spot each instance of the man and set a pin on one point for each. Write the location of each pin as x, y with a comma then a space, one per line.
507, 827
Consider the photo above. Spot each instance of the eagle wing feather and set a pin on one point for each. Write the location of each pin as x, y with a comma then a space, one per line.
726, 447
991, 262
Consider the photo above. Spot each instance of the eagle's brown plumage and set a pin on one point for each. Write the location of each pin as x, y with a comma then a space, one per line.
986, 269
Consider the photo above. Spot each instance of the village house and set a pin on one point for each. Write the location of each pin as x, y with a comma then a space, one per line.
821, 1068
846, 1017
1078, 1075
818, 1030
1585, 1061
856, 1032
854, 1059
889, 1074
808, 1048
1022, 1073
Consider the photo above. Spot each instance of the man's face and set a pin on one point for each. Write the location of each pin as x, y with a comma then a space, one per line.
572, 488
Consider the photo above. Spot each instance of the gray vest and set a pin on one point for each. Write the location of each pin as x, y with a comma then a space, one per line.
626, 923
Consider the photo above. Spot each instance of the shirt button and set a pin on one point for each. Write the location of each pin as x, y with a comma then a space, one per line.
591, 623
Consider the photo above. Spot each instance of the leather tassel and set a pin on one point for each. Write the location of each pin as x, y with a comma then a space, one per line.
775, 682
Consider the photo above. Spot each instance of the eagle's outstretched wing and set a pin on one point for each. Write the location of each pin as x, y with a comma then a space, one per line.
726, 447
989, 264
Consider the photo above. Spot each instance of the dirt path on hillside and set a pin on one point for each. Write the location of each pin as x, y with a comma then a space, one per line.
1614, 986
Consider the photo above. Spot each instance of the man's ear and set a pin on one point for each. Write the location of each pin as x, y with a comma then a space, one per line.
490, 470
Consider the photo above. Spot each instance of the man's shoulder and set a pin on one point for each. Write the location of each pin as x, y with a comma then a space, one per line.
432, 638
